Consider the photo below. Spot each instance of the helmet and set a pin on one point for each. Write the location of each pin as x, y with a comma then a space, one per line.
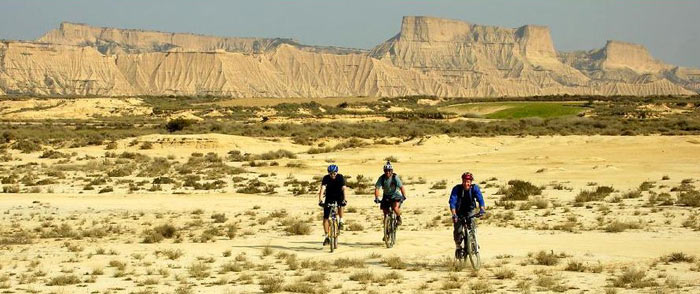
332, 168
388, 166
467, 176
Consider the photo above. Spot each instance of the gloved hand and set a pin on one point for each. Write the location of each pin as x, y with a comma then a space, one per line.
320, 204
343, 203
376, 200
455, 218
481, 212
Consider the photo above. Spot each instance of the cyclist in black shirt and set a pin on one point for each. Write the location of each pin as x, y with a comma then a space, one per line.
333, 188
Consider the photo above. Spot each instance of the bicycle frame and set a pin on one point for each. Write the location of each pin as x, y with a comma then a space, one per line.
471, 245
333, 231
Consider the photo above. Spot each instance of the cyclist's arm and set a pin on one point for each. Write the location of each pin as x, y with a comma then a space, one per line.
403, 192
320, 193
376, 187
480, 198
453, 201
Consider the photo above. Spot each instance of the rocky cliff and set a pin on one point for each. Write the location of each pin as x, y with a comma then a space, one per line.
429, 56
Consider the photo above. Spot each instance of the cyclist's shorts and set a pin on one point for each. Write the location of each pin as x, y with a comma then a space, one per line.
388, 202
327, 210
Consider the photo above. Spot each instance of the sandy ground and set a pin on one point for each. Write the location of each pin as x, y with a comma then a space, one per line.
86, 108
511, 239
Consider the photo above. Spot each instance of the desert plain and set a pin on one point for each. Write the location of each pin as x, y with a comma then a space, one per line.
574, 214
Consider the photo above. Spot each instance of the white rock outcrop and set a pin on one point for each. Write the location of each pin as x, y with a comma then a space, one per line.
429, 56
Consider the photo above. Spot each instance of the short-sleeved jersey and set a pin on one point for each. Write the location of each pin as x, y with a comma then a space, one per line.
390, 186
334, 187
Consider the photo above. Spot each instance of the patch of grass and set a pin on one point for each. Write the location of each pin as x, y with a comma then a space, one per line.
504, 273
596, 195
676, 257
219, 217
546, 258
519, 190
355, 227
395, 262
364, 277
633, 278
64, 280
298, 227
199, 270
689, 198
271, 284
171, 254
439, 185
159, 233
617, 226
349, 262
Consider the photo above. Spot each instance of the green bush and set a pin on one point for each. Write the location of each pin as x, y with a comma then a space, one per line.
178, 124
690, 198
519, 190
597, 195
26, 146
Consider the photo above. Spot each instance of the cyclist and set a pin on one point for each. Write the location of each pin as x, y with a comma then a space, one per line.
463, 199
333, 188
389, 182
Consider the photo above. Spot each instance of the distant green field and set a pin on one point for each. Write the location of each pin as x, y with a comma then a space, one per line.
515, 110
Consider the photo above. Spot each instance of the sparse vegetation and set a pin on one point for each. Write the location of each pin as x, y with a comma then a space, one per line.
519, 190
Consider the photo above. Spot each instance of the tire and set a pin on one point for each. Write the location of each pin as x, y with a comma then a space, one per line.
393, 232
387, 231
333, 235
473, 250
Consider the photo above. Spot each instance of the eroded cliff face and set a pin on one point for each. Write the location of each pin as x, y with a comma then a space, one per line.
429, 56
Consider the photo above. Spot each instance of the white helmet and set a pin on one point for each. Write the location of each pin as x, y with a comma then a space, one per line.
388, 166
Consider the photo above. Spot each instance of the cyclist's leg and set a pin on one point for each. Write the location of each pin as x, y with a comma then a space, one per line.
396, 206
458, 235
326, 221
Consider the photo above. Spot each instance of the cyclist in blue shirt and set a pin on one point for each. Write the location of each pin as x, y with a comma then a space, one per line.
463, 200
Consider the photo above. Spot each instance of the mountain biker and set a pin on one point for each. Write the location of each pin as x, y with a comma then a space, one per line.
463, 199
333, 188
392, 198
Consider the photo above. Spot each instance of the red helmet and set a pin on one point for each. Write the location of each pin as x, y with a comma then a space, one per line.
467, 176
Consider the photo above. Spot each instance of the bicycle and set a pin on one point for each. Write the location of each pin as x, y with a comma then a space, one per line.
333, 231
390, 228
470, 247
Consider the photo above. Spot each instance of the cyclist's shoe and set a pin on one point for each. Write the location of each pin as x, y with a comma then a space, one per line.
326, 241
459, 253
398, 220
340, 226
384, 238
377, 201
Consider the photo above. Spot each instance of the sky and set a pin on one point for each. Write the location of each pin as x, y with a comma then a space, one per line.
669, 29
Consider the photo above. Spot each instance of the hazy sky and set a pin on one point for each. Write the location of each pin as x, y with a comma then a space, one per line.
670, 29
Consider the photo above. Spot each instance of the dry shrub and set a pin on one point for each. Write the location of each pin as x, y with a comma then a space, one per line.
633, 278
519, 190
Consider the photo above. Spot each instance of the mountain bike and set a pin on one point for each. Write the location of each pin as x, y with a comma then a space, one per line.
470, 247
333, 230
390, 228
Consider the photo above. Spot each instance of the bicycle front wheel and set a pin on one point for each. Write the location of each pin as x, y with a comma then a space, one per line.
473, 251
387, 231
394, 228
333, 235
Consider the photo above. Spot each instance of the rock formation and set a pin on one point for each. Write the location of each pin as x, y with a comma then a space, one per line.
429, 56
